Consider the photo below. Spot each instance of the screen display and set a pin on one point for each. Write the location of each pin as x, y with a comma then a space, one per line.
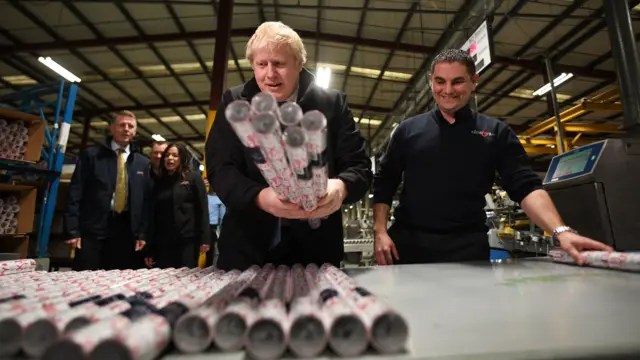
571, 164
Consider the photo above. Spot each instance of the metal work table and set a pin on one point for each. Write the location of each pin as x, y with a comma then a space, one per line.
525, 309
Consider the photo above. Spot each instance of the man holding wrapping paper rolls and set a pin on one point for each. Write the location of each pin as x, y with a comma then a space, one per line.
448, 158
259, 227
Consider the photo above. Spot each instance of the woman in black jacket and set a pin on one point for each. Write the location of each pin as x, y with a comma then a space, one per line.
179, 226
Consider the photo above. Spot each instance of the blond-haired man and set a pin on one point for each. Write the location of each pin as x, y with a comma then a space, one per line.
106, 215
258, 227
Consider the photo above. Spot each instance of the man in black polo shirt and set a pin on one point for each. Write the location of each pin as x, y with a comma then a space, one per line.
448, 158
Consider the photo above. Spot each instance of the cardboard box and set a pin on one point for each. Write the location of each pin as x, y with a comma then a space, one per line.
16, 244
36, 128
27, 196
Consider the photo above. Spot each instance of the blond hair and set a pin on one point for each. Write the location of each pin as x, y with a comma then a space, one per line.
272, 34
124, 113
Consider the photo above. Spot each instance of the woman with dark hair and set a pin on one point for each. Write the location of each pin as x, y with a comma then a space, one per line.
179, 225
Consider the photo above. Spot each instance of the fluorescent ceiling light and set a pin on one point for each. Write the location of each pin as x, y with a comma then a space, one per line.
59, 69
556, 82
158, 137
323, 77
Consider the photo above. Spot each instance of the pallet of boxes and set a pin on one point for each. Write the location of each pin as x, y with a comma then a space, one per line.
21, 139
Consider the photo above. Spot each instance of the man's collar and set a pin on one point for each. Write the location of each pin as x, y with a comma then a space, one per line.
116, 147
293, 97
461, 115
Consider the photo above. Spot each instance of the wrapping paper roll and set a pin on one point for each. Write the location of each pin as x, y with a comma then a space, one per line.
262, 103
17, 266
314, 124
143, 340
268, 336
309, 331
267, 130
602, 259
290, 114
13, 139
238, 114
295, 140
9, 210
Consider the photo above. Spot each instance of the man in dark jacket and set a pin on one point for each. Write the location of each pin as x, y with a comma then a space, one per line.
157, 149
258, 227
106, 215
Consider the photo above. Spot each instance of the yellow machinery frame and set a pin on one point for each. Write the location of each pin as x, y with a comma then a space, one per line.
602, 102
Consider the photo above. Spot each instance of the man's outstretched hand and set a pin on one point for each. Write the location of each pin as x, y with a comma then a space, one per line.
574, 244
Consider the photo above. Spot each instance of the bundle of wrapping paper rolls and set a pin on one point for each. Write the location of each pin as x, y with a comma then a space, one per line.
291, 161
14, 137
146, 313
9, 209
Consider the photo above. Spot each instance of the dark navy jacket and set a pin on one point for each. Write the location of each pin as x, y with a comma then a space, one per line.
247, 231
91, 190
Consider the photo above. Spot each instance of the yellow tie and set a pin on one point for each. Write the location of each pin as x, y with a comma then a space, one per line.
121, 184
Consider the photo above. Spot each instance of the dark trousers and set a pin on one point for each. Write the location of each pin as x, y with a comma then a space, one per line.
177, 254
114, 251
293, 249
419, 247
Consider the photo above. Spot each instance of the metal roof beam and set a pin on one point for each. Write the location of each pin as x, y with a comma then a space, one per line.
531, 65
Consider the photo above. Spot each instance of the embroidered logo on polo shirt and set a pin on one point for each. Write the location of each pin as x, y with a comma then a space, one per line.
482, 133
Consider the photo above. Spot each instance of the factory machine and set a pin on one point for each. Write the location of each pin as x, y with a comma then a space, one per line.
358, 235
596, 189
511, 233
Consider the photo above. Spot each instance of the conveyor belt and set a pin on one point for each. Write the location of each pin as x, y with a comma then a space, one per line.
527, 309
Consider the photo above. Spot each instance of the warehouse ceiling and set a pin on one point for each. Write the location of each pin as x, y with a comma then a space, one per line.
155, 57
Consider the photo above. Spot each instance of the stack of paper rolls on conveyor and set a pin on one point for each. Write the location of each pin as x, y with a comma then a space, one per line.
347, 334
110, 334
141, 314
9, 210
287, 145
14, 137
242, 311
602, 259
388, 331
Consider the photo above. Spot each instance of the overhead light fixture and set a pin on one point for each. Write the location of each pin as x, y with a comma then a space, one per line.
323, 77
59, 69
556, 82
158, 137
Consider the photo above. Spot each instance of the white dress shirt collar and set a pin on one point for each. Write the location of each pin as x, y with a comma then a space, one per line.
115, 147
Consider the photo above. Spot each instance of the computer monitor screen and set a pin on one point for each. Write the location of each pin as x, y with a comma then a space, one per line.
573, 163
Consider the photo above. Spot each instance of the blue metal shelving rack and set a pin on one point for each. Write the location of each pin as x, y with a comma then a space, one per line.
59, 96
